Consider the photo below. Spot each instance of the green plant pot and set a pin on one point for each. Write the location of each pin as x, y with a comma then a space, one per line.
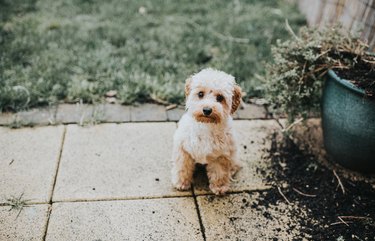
348, 120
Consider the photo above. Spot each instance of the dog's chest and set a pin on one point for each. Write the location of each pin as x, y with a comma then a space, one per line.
205, 142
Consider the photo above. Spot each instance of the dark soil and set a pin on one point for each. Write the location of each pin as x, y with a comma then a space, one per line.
362, 75
302, 172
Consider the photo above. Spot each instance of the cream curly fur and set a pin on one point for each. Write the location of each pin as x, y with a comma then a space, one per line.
208, 140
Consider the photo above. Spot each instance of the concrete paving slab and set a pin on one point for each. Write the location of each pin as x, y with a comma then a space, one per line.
148, 112
253, 137
151, 219
28, 162
112, 113
7, 118
116, 161
40, 116
175, 114
74, 113
30, 224
244, 217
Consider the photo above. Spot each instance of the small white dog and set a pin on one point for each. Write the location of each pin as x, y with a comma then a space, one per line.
205, 132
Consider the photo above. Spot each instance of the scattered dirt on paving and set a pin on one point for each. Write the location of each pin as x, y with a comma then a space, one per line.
331, 214
317, 201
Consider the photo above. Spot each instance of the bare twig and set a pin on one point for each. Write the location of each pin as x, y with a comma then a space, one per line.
336, 223
343, 221
368, 61
323, 73
303, 72
340, 183
293, 124
353, 217
171, 107
339, 67
158, 100
290, 30
303, 194
322, 53
282, 194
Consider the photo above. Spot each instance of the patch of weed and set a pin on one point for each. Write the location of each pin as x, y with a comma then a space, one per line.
16, 203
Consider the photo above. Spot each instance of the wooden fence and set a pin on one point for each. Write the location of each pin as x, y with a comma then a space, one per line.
352, 14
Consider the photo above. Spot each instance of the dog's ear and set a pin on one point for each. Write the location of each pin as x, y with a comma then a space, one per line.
236, 98
187, 86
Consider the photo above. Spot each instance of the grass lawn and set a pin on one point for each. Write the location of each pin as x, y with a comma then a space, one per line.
52, 50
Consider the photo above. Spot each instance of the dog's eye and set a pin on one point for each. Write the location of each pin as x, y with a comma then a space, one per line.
219, 98
200, 94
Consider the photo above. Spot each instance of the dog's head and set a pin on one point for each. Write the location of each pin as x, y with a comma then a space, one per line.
212, 95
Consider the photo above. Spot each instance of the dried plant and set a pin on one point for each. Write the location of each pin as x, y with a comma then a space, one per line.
293, 82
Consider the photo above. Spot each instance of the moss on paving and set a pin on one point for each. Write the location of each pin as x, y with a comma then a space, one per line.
79, 49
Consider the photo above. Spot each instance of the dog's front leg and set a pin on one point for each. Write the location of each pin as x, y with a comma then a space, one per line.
182, 170
219, 175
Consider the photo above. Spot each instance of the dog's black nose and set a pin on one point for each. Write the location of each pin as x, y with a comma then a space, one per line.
207, 111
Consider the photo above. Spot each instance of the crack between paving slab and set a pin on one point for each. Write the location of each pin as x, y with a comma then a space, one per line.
47, 222
58, 164
130, 121
199, 214
126, 122
236, 192
54, 183
148, 198
120, 199
143, 198
26, 203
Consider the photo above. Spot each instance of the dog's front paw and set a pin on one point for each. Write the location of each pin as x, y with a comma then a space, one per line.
183, 185
219, 189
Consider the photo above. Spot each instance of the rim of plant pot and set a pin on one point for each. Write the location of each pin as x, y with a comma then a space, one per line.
347, 84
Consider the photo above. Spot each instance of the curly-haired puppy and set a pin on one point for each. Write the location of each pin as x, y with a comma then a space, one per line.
205, 132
